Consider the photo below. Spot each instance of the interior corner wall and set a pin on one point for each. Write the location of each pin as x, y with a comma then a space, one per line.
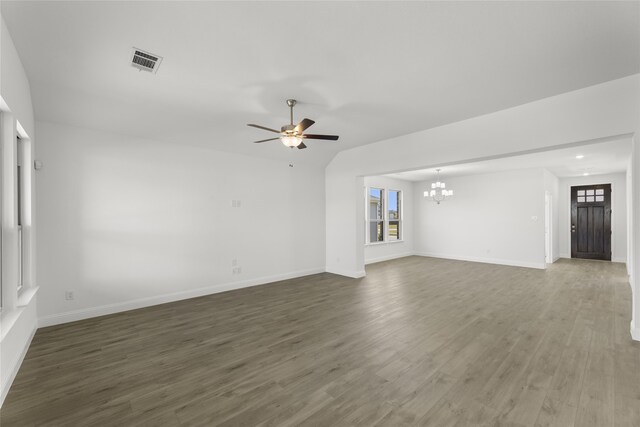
496, 218
389, 250
552, 185
618, 183
344, 213
127, 222
634, 227
18, 320
14, 84
629, 201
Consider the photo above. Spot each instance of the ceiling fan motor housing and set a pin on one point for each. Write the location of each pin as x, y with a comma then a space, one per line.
288, 128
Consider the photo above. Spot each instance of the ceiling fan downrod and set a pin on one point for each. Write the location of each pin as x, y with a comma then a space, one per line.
291, 103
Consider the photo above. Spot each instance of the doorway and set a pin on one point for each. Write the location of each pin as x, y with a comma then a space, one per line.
591, 222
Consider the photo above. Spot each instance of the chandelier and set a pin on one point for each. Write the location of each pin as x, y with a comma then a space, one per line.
438, 192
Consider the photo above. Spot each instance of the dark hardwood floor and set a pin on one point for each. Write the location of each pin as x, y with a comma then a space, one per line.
419, 341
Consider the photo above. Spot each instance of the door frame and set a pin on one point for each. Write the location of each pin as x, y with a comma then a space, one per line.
613, 221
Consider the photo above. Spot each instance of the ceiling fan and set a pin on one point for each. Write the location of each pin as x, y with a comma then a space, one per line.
292, 135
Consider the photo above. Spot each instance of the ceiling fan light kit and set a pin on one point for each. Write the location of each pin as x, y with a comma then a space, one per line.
291, 141
293, 135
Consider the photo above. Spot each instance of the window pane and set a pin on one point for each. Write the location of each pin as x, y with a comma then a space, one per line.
19, 194
376, 231
599, 198
394, 230
589, 198
394, 204
580, 199
375, 204
580, 192
589, 192
599, 191
20, 209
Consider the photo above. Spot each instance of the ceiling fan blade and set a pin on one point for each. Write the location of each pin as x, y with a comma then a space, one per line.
265, 140
264, 128
301, 146
304, 124
328, 137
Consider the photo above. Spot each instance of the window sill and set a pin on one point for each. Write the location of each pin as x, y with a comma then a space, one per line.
7, 320
391, 242
9, 317
26, 296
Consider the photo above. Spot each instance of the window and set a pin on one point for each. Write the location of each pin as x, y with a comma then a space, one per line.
20, 213
376, 215
393, 217
384, 215
590, 195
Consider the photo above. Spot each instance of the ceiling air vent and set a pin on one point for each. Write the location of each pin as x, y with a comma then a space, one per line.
145, 61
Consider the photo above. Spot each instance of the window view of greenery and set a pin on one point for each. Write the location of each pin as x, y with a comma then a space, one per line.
376, 215
394, 215
384, 216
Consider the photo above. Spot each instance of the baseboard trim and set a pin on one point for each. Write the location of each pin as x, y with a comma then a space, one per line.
635, 332
347, 273
87, 313
6, 385
387, 258
511, 263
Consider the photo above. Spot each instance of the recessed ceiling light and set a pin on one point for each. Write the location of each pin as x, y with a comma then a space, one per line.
580, 156
585, 174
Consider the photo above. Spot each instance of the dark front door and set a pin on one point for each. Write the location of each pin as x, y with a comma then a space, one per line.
591, 222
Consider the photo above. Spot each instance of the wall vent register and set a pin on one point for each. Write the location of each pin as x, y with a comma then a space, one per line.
145, 61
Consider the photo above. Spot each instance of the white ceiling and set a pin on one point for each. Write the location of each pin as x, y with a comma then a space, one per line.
364, 70
598, 158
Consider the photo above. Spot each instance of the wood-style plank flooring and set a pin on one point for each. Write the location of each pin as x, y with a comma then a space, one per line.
419, 341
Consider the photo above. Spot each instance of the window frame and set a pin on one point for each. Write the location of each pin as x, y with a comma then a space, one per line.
399, 219
376, 221
20, 209
386, 237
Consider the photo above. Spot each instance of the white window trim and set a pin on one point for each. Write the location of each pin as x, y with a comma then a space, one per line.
14, 296
369, 220
385, 217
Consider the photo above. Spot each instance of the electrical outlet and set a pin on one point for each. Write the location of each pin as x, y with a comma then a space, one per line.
236, 270
69, 295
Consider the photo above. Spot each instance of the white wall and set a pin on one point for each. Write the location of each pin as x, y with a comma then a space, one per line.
552, 186
496, 218
14, 84
629, 201
634, 227
376, 252
18, 320
126, 222
618, 215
